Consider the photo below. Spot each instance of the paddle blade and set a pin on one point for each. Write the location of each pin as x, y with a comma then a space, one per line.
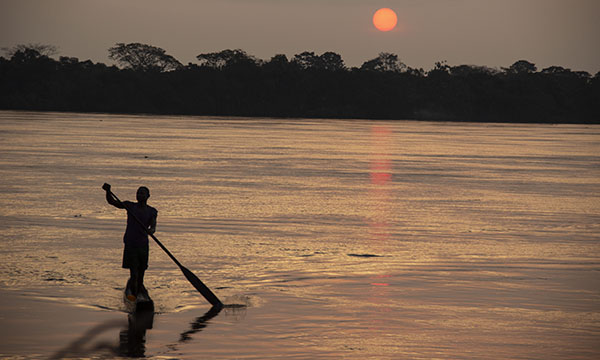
203, 289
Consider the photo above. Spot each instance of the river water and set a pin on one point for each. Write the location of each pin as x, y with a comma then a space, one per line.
342, 238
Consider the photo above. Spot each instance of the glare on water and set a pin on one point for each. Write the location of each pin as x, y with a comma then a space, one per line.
345, 238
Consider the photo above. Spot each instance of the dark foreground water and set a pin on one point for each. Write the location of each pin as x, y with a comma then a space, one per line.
341, 238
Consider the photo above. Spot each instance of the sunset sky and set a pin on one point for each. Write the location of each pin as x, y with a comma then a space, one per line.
493, 33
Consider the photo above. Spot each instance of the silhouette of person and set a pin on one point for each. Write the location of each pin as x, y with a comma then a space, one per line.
135, 252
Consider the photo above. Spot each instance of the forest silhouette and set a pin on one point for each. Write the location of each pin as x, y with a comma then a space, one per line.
233, 83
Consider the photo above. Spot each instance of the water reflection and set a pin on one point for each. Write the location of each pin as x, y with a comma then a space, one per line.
132, 334
132, 338
380, 171
380, 194
87, 345
200, 323
132, 341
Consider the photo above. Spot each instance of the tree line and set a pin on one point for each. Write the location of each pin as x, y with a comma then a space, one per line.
234, 83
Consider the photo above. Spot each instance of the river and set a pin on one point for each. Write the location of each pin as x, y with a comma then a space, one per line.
341, 238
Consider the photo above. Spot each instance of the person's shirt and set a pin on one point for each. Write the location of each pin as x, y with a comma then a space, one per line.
135, 234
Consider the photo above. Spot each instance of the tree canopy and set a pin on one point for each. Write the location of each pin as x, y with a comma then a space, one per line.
232, 82
384, 62
522, 67
227, 58
142, 57
37, 48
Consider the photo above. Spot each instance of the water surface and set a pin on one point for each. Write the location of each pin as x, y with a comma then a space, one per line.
343, 238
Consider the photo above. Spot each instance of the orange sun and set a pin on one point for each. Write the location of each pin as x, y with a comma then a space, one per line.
385, 19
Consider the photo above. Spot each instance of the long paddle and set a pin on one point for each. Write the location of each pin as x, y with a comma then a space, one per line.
193, 279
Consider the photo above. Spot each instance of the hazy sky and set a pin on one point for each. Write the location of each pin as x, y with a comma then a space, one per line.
494, 33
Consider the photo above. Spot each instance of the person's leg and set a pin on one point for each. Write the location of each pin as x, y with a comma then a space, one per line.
142, 266
140, 278
134, 275
138, 264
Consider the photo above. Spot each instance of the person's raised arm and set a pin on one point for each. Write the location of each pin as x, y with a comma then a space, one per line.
110, 198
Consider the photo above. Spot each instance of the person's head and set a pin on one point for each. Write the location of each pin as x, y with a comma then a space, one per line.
142, 195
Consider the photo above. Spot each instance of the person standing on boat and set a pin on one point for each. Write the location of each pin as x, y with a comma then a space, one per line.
135, 253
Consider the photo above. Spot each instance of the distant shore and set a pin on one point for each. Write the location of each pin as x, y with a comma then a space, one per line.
291, 118
233, 83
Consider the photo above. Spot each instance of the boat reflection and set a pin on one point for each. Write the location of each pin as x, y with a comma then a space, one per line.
132, 341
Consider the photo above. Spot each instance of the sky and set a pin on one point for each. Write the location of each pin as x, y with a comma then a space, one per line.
493, 33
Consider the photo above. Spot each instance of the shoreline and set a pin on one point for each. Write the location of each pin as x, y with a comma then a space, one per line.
250, 117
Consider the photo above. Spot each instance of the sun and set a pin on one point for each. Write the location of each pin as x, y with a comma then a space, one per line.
385, 19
